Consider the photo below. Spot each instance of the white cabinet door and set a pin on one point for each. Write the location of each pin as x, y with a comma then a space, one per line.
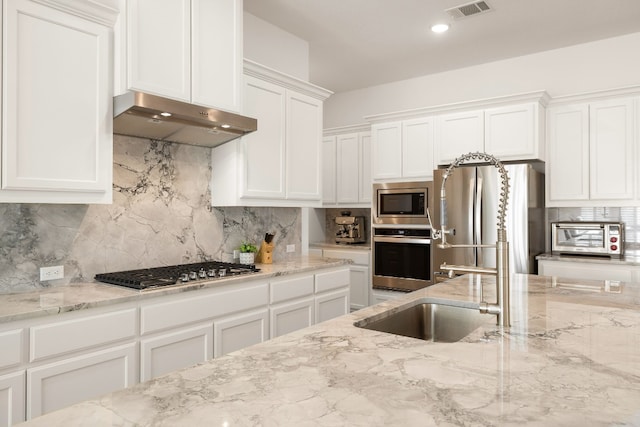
458, 134
64, 155
612, 142
264, 149
586, 271
359, 287
175, 350
417, 148
217, 53
12, 399
386, 139
291, 316
159, 47
59, 384
348, 160
511, 133
303, 138
364, 194
329, 170
240, 331
331, 304
568, 151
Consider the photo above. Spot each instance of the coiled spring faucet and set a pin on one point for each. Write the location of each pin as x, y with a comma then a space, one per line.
501, 307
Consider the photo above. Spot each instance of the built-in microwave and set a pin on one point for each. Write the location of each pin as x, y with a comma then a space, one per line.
402, 203
588, 238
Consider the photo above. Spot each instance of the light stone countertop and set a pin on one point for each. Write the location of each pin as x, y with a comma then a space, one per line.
631, 258
570, 358
354, 247
79, 296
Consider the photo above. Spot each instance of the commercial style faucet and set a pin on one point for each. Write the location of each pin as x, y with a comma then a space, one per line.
501, 307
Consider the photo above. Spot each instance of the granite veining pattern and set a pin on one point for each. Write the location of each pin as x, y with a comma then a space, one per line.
570, 358
161, 215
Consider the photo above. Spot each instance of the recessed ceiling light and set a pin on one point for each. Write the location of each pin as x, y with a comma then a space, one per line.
440, 28
226, 126
165, 114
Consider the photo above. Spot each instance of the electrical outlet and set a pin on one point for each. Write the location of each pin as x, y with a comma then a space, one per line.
52, 273
291, 248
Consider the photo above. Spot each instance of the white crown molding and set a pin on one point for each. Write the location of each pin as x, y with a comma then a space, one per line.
540, 96
597, 95
262, 72
103, 12
363, 127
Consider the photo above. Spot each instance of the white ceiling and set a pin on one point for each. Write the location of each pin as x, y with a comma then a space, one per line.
360, 43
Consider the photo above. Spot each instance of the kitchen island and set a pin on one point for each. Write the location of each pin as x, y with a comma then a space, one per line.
571, 357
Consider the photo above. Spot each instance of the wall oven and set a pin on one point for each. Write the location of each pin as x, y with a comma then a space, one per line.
401, 258
401, 202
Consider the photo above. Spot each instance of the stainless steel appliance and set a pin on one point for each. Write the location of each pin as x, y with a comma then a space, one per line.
401, 202
401, 258
588, 238
473, 203
351, 229
150, 116
175, 274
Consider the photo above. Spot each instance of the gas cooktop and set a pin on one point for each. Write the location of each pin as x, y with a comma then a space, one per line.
175, 274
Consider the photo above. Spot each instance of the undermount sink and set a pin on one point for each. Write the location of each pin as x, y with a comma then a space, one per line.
427, 320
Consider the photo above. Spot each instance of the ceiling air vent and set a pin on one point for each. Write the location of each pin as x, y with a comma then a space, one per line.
469, 9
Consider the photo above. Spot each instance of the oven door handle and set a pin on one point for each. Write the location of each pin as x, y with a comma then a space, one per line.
415, 240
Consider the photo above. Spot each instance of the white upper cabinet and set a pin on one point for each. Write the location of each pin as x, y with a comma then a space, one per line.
592, 153
280, 163
386, 141
57, 140
347, 167
512, 132
411, 144
403, 149
190, 50
458, 134
417, 148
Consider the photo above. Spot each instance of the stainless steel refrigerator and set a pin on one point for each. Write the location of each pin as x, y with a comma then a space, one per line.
472, 194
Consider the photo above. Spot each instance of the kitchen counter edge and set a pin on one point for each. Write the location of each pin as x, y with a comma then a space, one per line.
85, 295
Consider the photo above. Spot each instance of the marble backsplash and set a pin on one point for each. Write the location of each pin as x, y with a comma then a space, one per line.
161, 215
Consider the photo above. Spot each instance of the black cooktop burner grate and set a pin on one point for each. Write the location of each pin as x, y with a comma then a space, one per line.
164, 276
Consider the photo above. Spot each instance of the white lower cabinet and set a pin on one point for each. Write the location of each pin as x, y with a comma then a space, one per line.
359, 272
169, 352
237, 332
332, 304
292, 315
56, 385
588, 271
12, 398
379, 295
46, 365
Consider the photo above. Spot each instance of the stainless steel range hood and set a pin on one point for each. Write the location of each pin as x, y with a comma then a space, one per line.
149, 116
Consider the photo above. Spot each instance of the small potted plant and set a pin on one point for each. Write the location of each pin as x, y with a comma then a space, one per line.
247, 253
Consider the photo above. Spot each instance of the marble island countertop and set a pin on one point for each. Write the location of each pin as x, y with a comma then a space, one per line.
571, 357
78, 296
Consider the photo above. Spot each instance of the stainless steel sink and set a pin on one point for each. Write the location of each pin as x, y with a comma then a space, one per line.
428, 321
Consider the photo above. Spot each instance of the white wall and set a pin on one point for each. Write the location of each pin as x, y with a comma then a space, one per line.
604, 64
275, 48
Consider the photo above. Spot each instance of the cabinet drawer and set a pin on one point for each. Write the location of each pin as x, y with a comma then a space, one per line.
81, 333
358, 257
189, 310
296, 287
332, 280
11, 345
60, 384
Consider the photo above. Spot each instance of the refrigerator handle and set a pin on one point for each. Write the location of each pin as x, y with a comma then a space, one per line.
477, 218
